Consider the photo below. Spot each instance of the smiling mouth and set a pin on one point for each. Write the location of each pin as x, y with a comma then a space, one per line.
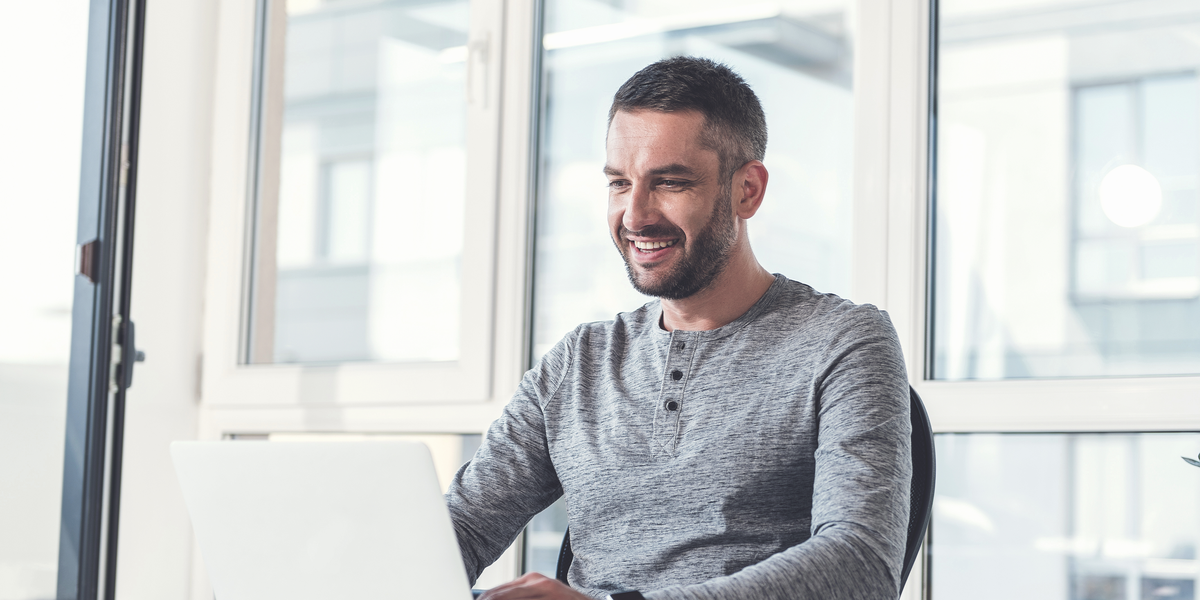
652, 246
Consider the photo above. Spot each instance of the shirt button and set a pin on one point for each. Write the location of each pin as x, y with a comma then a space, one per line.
676, 375
673, 405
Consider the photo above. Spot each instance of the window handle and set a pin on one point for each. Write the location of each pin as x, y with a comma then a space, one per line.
87, 257
126, 354
479, 53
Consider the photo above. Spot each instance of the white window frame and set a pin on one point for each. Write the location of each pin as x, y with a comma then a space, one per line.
891, 229
460, 397
892, 95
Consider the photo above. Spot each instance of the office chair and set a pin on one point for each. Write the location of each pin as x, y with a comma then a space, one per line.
920, 496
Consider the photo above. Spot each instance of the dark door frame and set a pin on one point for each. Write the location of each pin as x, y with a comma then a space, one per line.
102, 352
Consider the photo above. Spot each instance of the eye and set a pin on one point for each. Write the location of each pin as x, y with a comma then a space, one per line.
618, 184
672, 184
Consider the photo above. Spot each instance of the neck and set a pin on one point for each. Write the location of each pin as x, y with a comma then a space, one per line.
731, 294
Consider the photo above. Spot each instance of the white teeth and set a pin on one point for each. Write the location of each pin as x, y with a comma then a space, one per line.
653, 245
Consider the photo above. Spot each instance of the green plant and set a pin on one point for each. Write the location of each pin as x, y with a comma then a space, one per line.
1194, 463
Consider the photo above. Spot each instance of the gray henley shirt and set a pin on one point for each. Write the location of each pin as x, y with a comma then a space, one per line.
766, 459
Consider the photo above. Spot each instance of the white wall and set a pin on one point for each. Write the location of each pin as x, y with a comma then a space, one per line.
155, 555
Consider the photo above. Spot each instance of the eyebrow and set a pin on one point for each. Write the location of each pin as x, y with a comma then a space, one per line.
672, 169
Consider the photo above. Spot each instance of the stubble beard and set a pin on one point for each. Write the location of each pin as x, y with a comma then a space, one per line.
697, 267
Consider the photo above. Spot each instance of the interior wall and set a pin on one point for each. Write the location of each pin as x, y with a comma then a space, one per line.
155, 554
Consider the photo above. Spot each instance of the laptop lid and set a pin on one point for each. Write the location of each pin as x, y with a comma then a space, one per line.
320, 520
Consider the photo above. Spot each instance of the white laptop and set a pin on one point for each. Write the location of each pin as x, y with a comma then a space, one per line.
320, 520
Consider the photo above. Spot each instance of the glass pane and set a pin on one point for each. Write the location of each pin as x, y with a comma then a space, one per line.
1067, 233
543, 539
370, 184
43, 51
1066, 517
796, 54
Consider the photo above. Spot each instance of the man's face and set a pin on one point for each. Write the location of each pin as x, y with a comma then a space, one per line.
668, 210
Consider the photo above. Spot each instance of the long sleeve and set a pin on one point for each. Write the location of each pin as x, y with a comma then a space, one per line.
511, 477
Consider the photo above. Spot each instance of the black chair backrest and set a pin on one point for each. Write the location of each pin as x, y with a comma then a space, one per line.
920, 494
920, 497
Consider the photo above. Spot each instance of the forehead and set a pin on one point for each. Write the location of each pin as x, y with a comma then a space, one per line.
649, 136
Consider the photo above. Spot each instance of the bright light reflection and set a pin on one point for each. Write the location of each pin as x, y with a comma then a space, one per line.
1130, 196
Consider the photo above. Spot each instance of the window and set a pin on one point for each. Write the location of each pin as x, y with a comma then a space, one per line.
1104, 516
797, 56
365, 246
369, 182
1066, 193
1059, 328
1136, 264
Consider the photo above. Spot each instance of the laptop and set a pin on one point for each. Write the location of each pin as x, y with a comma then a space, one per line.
320, 520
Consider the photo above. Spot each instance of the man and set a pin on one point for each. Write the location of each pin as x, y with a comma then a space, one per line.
742, 437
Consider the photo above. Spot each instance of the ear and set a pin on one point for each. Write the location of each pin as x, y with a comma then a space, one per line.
750, 185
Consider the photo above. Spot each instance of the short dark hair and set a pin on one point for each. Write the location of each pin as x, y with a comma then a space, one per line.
734, 124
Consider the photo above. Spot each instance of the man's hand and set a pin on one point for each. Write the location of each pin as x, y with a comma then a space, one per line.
533, 586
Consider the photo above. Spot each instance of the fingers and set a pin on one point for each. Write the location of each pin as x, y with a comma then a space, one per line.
532, 586
505, 590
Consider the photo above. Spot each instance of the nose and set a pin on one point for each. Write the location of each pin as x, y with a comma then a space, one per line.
642, 210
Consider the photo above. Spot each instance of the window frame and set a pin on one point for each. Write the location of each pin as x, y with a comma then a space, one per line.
430, 395
895, 82
895, 86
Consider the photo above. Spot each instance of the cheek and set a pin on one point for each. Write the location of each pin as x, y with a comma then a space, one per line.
616, 211
691, 216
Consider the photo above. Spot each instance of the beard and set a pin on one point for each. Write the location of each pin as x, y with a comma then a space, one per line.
697, 265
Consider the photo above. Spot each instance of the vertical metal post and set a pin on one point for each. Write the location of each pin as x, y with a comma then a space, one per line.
129, 353
82, 568
931, 186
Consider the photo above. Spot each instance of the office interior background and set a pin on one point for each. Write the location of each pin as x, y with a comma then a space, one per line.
367, 218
